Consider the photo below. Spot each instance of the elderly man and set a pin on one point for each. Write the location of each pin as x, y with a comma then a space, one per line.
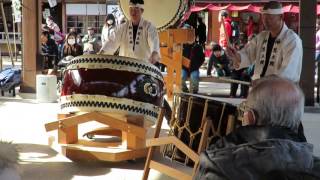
277, 50
137, 38
270, 144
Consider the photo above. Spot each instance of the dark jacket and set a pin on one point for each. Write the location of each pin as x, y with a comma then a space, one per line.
50, 48
256, 153
195, 53
217, 62
201, 33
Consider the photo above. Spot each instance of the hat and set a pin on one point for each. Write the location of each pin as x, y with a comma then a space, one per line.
272, 7
136, 3
90, 28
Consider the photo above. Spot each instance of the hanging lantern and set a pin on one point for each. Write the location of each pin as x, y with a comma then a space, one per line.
235, 14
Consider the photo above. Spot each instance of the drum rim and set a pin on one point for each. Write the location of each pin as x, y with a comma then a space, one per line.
172, 21
82, 103
120, 63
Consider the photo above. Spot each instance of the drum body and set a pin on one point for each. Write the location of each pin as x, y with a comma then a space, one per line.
191, 113
169, 12
112, 84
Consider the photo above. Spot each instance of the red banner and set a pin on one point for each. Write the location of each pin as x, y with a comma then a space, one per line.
250, 8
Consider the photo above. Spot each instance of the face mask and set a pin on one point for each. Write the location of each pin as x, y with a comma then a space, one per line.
110, 22
71, 41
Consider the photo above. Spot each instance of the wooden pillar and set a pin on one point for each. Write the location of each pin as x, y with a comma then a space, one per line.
215, 26
64, 16
30, 44
308, 15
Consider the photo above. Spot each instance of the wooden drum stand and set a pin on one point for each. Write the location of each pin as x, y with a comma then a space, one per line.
171, 42
131, 130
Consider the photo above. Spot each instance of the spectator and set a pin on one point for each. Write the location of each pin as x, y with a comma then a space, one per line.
71, 47
201, 32
194, 52
225, 29
90, 42
79, 40
49, 50
220, 61
270, 145
55, 30
108, 28
250, 26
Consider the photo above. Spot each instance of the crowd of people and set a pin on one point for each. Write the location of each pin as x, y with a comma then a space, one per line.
56, 45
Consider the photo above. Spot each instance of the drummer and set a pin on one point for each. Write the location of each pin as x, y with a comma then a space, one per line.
137, 38
277, 50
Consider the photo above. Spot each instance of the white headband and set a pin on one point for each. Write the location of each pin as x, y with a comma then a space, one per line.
272, 11
136, 5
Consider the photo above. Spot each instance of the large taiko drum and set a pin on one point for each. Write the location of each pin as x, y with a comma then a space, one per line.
168, 12
112, 84
190, 112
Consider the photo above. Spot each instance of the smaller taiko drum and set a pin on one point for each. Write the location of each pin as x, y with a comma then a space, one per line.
112, 84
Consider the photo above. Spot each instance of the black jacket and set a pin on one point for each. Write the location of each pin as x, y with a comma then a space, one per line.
216, 61
258, 153
50, 48
201, 33
195, 53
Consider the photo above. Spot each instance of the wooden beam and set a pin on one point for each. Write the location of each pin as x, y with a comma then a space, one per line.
175, 141
169, 170
308, 15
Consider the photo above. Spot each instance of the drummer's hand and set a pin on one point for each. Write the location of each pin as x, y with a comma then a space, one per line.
234, 56
154, 58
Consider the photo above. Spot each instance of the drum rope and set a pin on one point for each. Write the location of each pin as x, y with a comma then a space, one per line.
180, 125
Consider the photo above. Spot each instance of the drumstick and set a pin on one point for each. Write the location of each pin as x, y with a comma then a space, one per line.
234, 81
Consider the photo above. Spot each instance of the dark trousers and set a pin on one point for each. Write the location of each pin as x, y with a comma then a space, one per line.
241, 76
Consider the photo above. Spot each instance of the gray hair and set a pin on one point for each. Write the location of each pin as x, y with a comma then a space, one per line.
277, 102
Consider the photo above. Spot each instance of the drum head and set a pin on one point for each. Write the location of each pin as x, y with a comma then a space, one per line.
162, 13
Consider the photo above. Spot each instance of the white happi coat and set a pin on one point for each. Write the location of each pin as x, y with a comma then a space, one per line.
147, 41
285, 59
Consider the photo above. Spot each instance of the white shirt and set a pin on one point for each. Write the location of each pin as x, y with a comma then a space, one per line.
285, 59
106, 32
147, 41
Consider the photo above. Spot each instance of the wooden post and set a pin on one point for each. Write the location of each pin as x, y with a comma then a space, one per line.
30, 44
64, 16
67, 135
130, 140
151, 149
308, 15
